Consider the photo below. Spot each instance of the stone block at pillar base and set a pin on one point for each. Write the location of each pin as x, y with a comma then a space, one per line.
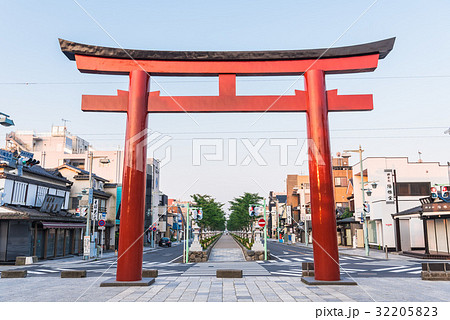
14, 274
73, 274
342, 282
145, 282
149, 273
228, 273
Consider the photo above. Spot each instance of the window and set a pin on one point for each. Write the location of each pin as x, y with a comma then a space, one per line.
74, 202
413, 188
42, 191
20, 191
340, 182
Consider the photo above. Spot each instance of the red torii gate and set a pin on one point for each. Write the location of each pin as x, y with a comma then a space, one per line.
315, 101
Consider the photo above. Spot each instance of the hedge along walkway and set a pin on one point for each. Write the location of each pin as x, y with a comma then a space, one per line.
226, 249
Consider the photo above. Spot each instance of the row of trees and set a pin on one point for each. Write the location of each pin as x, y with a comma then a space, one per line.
239, 217
213, 214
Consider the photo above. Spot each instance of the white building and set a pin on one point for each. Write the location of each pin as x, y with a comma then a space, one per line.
412, 181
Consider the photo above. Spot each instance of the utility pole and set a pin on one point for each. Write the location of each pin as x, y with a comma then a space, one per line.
366, 229
187, 234
265, 231
90, 201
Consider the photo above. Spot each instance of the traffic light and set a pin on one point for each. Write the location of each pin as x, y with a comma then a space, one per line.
366, 208
434, 194
194, 213
445, 193
252, 211
200, 214
30, 162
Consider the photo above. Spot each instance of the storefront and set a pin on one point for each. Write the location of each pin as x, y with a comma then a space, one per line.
29, 232
436, 218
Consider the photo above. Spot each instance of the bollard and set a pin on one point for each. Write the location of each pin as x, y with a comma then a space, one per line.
385, 248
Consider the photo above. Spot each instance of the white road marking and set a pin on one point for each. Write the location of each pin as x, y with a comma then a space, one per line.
46, 270
35, 272
409, 269
390, 268
284, 273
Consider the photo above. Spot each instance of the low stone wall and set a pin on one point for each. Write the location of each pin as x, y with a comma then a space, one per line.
251, 255
202, 256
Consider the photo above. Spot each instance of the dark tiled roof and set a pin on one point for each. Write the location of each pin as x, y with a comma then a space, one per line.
24, 213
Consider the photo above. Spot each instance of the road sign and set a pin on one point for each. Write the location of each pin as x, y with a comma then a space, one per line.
95, 210
26, 154
262, 223
91, 195
87, 246
154, 228
101, 223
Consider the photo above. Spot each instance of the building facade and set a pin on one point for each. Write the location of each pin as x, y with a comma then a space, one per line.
399, 185
34, 216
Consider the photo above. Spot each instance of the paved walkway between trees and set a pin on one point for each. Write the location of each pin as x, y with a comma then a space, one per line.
226, 249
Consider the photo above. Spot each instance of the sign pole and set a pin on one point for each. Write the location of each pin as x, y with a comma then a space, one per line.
101, 243
187, 234
265, 232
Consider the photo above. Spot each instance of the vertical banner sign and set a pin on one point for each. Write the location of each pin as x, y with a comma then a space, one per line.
389, 187
95, 210
86, 246
288, 215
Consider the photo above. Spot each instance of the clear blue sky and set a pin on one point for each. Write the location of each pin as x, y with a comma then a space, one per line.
410, 86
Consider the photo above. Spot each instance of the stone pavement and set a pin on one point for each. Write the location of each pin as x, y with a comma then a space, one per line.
211, 289
226, 249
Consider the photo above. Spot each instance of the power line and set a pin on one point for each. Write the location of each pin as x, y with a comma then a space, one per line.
272, 131
353, 137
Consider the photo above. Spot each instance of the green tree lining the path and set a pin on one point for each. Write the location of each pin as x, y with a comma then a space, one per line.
213, 214
239, 217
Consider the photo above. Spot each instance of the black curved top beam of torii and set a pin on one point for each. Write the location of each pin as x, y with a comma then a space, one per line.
383, 47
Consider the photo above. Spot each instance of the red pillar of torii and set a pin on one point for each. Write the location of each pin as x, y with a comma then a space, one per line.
315, 101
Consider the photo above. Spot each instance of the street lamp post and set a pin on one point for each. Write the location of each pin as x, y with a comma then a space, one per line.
366, 230
90, 201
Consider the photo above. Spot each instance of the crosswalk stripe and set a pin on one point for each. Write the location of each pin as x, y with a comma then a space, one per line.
350, 258
285, 260
404, 270
390, 268
310, 259
272, 261
46, 270
415, 272
35, 272
297, 259
365, 258
351, 269
284, 273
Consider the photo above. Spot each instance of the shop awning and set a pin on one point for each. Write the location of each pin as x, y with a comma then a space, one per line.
62, 225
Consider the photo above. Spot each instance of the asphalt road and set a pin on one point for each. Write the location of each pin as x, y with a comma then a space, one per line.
287, 260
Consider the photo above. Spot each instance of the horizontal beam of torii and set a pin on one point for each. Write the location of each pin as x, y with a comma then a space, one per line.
316, 101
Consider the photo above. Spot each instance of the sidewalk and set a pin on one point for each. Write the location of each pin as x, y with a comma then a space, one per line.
211, 289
